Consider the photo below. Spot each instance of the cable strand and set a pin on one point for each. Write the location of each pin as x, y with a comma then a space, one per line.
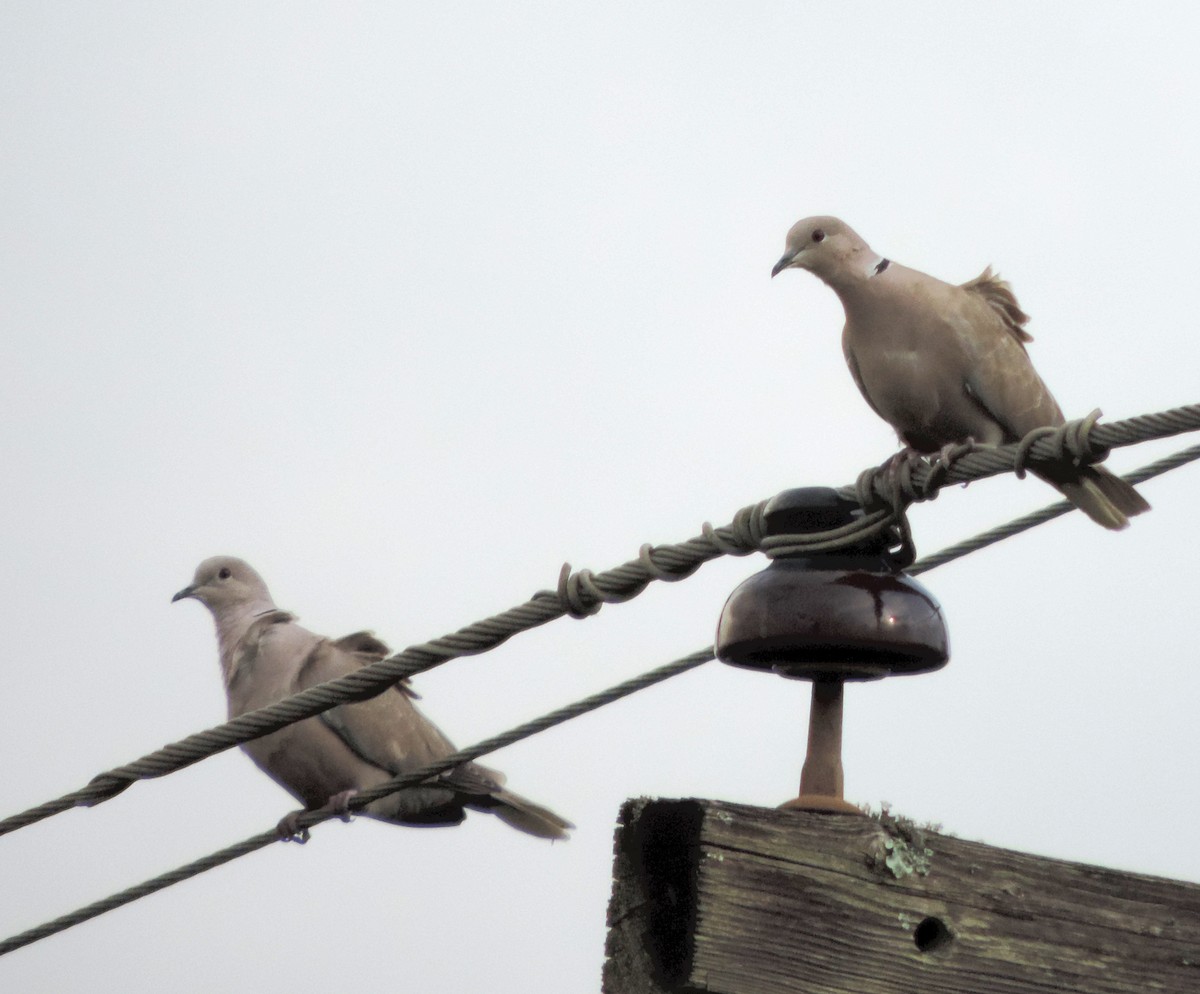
309, 819
583, 593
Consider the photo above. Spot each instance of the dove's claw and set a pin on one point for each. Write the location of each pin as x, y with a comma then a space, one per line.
289, 828
339, 804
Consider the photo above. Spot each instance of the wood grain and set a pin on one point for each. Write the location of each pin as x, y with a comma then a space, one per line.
726, 898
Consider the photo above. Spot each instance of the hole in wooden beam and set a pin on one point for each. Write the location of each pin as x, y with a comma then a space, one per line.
932, 934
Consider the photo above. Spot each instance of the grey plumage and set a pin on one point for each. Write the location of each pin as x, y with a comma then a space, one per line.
266, 656
943, 363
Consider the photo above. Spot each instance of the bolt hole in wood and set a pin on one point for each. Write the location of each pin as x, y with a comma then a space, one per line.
932, 934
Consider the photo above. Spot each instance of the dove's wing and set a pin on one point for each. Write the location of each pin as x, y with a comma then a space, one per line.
387, 730
266, 656
999, 374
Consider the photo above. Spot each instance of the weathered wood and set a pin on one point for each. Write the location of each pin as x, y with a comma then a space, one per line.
739, 900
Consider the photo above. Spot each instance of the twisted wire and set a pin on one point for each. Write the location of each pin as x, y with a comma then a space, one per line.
885, 491
1048, 513
580, 594
307, 820
583, 590
1083, 440
311, 818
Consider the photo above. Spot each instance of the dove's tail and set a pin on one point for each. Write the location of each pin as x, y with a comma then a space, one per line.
1106, 499
525, 816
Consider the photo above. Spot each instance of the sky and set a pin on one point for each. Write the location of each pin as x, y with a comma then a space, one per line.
409, 304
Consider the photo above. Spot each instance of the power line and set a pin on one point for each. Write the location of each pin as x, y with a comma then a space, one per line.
679, 562
1048, 513
740, 537
582, 593
308, 819
1083, 440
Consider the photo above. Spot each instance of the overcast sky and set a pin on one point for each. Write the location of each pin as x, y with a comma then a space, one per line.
408, 304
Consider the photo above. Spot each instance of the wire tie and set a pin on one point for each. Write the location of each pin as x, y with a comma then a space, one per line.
570, 595
645, 557
721, 544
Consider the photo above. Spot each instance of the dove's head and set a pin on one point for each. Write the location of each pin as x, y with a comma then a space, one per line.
225, 582
825, 246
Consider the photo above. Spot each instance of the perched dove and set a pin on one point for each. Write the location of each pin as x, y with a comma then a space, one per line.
945, 364
324, 760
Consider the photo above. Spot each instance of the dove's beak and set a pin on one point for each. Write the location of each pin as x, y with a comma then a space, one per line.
185, 592
782, 264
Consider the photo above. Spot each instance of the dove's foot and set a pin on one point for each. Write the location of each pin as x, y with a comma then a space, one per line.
896, 474
338, 804
950, 453
289, 829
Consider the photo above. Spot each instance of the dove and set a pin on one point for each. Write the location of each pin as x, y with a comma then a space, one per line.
944, 363
324, 760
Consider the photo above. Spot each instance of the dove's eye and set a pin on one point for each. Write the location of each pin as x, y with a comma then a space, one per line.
818, 235
224, 573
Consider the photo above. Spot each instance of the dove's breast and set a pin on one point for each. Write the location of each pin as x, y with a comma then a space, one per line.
910, 364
